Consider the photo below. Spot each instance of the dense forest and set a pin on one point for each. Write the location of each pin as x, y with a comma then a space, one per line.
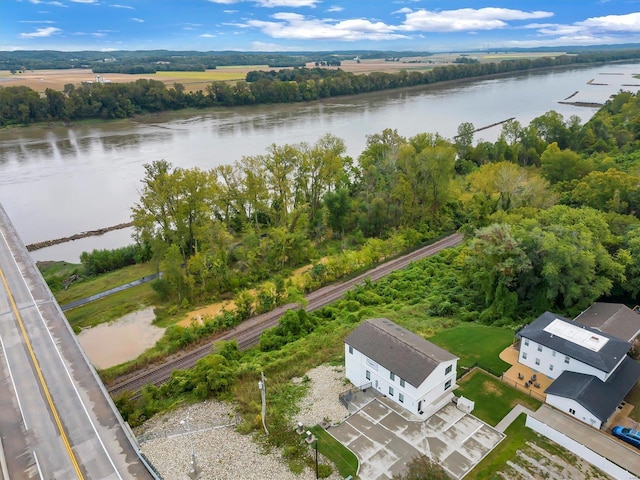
552, 210
21, 105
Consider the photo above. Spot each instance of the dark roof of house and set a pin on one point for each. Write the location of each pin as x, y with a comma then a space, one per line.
600, 398
616, 319
604, 360
397, 349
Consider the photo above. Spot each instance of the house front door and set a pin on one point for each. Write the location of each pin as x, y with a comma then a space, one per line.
376, 383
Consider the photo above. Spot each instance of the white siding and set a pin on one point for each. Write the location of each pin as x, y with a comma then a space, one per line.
432, 389
574, 409
547, 359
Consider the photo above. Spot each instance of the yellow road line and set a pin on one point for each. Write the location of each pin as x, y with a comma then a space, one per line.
36, 365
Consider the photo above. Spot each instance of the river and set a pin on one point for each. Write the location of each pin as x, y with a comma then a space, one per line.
58, 181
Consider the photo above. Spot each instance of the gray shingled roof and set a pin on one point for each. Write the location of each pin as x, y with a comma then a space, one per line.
397, 349
600, 398
616, 319
605, 360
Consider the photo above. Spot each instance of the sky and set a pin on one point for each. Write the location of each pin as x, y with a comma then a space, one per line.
316, 25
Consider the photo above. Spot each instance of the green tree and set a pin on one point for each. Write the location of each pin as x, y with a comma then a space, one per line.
173, 273
495, 260
563, 165
572, 266
464, 140
612, 191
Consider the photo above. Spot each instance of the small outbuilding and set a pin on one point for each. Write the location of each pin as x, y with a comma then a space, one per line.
413, 372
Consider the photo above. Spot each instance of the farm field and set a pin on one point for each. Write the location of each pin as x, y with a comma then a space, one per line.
40, 80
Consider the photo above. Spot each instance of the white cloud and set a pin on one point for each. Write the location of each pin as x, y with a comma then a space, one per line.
466, 19
54, 3
139, 20
273, 47
296, 26
37, 21
335, 8
230, 11
273, 3
594, 30
85, 1
287, 3
41, 32
115, 5
614, 23
207, 35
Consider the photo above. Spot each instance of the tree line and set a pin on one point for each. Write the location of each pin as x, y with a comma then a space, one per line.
22, 105
552, 210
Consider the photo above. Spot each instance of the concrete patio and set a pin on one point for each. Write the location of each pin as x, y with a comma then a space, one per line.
385, 438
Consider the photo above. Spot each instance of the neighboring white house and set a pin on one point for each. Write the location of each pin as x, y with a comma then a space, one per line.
592, 370
415, 373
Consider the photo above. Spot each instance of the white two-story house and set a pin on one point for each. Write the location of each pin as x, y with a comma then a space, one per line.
592, 370
412, 371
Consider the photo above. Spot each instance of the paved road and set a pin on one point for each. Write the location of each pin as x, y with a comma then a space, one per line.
56, 422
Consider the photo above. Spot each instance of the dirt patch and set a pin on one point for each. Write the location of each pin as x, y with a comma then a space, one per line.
491, 388
209, 311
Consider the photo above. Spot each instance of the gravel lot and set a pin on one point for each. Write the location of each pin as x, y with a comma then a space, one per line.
221, 452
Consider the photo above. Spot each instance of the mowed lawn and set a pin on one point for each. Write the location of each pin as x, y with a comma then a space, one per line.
493, 398
476, 344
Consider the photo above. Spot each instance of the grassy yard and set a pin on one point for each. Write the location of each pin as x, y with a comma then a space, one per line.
634, 399
104, 282
344, 459
517, 437
493, 398
476, 343
111, 307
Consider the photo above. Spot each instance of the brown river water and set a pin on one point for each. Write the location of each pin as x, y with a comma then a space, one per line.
59, 181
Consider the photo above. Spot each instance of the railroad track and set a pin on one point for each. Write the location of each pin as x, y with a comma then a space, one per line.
247, 334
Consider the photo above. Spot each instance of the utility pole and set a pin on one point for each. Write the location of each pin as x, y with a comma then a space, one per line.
263, 390
317, 476
194, 472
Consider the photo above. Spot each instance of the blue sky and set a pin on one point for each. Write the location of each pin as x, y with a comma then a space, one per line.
286, 25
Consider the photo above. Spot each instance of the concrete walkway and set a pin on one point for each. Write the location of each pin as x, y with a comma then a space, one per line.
511, 416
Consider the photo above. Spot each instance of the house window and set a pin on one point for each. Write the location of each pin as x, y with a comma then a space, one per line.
539, 348
524, 355
566, 359
401, 398
551, 367
391, 391
526, 342
401, 382
572, 411
368, 375
350, 349
447, 385
537, 361
448, 370
392, 376
553, 353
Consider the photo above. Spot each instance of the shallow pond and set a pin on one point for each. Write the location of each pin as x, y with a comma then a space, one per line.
113, 343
